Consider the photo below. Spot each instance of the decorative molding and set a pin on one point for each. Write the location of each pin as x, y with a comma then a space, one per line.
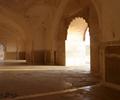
111, 43
111, 85
112, 55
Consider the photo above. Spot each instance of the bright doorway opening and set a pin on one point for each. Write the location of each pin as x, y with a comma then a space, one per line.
2, 53
77, 45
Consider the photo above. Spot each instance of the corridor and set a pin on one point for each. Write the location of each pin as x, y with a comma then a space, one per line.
59, 50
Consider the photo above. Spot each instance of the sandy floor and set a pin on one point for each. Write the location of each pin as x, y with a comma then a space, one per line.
48, 83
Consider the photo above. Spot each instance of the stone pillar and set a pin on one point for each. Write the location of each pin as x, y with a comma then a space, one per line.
95, 66
28, 52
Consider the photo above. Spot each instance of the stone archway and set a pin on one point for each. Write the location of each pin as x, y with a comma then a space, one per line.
90, 14
77, 45
19, 27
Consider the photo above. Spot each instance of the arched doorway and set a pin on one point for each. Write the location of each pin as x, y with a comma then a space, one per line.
77, 45
91, 15
2, 52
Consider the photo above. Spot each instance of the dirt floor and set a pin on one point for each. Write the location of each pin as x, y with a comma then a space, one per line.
56, 84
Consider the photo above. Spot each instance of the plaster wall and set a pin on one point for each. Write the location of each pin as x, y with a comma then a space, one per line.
110, 42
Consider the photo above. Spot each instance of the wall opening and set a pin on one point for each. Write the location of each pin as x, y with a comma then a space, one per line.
2, 52
77, 45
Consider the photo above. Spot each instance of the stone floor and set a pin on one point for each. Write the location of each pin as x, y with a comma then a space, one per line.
87, 93
51, 83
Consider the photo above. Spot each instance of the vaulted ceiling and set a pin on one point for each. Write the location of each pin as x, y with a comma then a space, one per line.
35, 18
21, 6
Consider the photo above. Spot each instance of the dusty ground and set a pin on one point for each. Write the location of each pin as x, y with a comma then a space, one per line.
50, 84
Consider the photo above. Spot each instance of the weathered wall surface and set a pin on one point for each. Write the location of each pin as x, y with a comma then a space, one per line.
111, 37
110, 20
112, 59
